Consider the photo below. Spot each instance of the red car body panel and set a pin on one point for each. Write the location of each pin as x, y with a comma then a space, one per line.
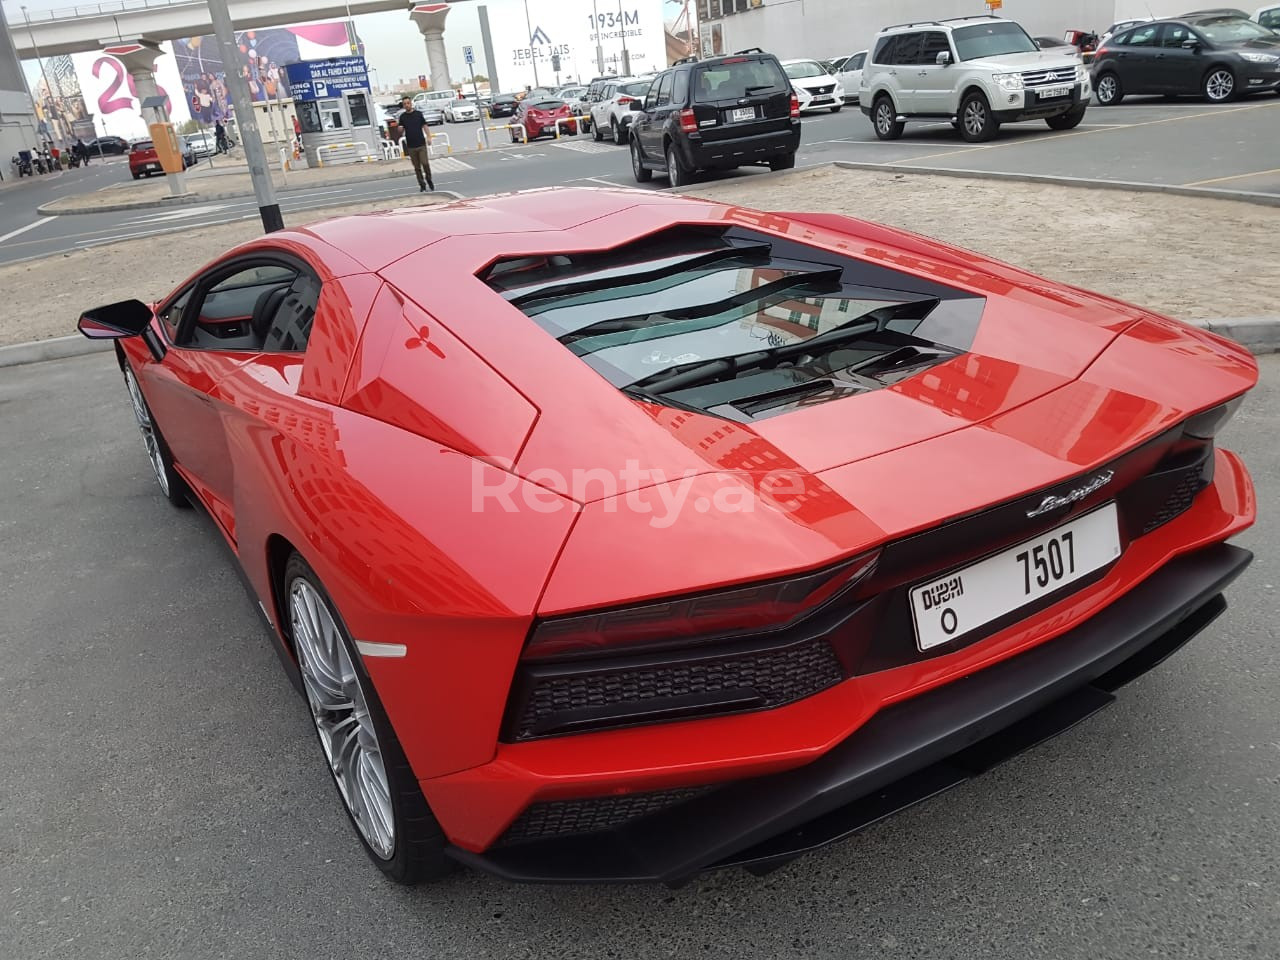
419, 383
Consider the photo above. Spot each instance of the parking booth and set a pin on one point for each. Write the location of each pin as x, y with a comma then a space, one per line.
335, 109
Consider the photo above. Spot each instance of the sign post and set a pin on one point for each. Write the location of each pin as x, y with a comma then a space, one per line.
469, 55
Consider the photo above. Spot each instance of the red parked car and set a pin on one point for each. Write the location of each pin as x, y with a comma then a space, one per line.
143, 158
670, 535
538, 117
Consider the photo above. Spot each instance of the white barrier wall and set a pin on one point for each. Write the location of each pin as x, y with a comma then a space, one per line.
833, 28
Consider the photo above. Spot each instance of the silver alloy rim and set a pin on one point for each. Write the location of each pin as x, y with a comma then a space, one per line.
341, 714
1106, 89
975, 117
636, 165
1220, 85
883, 118
673, 171
148, 431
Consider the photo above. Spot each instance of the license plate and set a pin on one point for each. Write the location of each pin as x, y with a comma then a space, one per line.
966, 599
743, 113
1047, 93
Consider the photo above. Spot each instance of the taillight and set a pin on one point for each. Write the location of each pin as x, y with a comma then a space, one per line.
795, 104
688, 121
623, 100
1099, 52
685, 621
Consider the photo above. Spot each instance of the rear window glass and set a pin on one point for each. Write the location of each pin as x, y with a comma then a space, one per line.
635, 89
548, 105
734, 79
144, 145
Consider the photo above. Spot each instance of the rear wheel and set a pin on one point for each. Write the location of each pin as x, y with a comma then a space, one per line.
787, 162
1066, 121
617, 132
837, 108
596, 133
1109, 90
172, 485
977, 124
678, 175
642, 173
378, 789
1219, 85
885, 119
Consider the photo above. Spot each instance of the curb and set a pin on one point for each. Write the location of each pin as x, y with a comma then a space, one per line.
58, 348
1209, 193
49, 210
1259, 334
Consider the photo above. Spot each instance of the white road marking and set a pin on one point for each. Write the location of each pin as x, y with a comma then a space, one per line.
30, 226
174, 214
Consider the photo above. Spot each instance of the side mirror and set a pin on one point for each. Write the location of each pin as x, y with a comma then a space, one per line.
128, 318
943, 59
1190, 44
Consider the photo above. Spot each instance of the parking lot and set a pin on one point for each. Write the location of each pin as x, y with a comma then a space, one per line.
163, 796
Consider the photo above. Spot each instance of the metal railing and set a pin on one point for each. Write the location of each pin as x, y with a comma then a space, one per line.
431, 147
365, 156
524, 134
100, 9
576, 121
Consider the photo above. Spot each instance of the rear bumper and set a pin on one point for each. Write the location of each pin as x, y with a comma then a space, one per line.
739, 151
904, 754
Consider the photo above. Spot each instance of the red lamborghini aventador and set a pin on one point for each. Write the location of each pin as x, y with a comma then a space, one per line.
622, 536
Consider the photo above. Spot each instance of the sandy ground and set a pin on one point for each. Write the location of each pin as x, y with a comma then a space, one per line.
1185, 257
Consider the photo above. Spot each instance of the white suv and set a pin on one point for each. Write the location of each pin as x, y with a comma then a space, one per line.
975, 72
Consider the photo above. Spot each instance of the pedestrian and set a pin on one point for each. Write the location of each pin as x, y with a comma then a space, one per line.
81, 151
416, 138
219, 137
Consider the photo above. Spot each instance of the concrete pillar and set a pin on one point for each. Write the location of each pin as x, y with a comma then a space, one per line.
429, 18
139, 58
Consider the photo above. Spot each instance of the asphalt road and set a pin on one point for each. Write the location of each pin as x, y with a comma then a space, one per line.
1233, 146
163, 795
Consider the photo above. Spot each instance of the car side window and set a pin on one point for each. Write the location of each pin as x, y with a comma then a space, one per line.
664, 91
680, 94
932, 44
1174, 35
884, 51
1142, 36
907, 51
651, 98
261, 306
858, 60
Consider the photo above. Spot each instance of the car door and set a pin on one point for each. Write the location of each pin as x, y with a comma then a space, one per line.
646, 131
902, 72
660, 113
1136, 58
851, 75
1177, 69
600, 109
934, 84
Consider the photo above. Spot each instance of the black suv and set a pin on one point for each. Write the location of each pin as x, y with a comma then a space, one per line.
716, 114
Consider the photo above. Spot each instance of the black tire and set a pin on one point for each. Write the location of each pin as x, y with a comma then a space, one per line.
884, 119
642, 173
837, 108
171, 484
977, 123
418, 853
137, 176
787, 162
616, 128
1108, 90
678, 175
596, 134
1066, 121
1219, 85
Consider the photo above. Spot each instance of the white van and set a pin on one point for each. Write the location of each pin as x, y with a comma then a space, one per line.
436, 98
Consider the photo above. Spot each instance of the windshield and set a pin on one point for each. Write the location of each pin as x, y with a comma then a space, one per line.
805, 68
1233, 30
992, 40
737, 78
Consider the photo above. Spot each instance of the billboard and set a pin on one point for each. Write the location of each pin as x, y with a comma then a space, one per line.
320, 79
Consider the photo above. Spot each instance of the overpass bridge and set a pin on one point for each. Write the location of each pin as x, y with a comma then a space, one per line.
87, 26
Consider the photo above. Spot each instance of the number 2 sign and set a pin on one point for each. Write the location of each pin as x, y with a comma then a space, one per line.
108, 102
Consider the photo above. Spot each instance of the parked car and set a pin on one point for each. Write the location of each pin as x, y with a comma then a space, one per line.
200, 144
716, 114
976, 72
538, 117
460, 110
1120, 25
930, 530
850, 75
1218, 57
503, 105
1269, 17
143, 159
815, 86
613, 114
100, 146
1054, 45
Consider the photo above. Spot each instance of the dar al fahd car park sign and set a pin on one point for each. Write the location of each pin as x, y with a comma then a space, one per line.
321, 79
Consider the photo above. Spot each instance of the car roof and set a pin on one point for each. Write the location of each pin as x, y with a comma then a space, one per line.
948, 24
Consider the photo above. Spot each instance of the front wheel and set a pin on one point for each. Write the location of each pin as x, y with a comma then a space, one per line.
596, 133
885, 119
378, 789
837, 108
977, 124
642, 173
1108, 90
1220, 85
172, 485
1066, 121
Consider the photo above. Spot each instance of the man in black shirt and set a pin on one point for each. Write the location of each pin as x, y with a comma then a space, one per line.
416, 137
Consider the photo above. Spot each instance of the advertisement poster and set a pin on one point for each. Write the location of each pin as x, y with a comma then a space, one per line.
191, 74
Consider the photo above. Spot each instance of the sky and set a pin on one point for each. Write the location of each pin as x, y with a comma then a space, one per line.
394, 48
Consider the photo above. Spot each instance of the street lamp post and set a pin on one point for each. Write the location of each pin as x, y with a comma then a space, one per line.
533, 57
622, 29
599, 48
57, 108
